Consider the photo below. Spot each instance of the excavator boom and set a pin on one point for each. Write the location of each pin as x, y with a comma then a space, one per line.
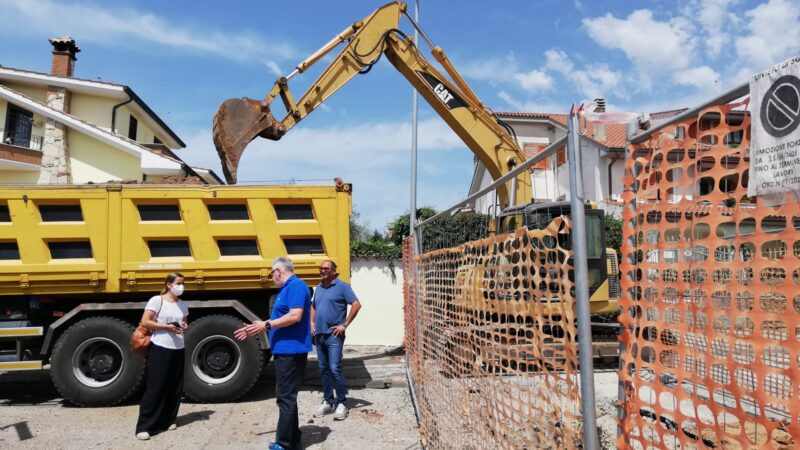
239, 121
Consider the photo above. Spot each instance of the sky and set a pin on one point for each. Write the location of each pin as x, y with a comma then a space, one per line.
185, 57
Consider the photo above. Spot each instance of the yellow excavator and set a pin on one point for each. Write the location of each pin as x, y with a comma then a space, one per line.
239, 121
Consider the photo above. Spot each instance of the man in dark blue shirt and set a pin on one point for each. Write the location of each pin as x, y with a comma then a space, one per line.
289, 329
329, 320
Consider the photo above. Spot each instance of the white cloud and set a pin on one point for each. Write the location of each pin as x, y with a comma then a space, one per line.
535, 80
273, 67
558, 61
532, 106
596, 80
715, 19
119, 26
491, 69
651, 45
774, 34
703, 78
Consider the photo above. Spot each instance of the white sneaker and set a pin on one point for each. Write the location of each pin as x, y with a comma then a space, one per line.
143, 436
341, 412
323, 409
172, 427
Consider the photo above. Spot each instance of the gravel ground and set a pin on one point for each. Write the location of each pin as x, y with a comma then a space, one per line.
605, 395
32, 414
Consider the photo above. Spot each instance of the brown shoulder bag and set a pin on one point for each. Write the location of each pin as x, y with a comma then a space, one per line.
140, 339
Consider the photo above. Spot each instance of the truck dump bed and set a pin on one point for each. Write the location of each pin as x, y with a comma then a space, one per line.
105, 239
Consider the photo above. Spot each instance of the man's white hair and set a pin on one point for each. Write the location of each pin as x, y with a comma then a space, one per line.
284, 263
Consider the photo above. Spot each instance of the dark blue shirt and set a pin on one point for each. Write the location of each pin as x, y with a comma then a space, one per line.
296, 338
330, 305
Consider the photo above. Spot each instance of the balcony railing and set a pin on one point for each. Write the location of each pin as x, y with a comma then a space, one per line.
24, 140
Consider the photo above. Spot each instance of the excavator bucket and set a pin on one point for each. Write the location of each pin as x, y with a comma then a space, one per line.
237, 122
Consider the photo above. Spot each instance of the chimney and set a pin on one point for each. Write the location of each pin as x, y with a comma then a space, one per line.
600, 105
599, 131
64, 50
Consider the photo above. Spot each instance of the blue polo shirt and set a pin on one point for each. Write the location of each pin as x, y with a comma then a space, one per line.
296, 338
330, 305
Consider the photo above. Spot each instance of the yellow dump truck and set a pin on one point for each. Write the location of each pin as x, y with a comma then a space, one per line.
78, 263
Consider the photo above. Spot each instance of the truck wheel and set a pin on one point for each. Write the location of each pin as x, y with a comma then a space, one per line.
93, 364
218, 367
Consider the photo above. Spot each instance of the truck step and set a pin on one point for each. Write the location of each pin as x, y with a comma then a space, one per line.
20, 365
20, 332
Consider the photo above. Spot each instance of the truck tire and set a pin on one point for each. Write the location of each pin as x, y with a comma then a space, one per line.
93, 364
218, 367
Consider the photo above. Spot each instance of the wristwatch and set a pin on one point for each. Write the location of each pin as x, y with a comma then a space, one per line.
267, 325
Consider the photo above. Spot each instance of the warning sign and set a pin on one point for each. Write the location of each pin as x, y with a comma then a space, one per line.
775, 130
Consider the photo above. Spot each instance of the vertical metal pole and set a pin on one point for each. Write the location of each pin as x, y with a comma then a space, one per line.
415, 242
590, 440
412, 213
630, 129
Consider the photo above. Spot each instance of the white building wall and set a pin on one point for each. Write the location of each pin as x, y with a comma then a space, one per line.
380, 321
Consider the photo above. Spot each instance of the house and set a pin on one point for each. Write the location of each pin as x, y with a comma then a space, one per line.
57, 129
602, 149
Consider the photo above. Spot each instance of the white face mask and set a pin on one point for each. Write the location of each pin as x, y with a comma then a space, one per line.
176, 289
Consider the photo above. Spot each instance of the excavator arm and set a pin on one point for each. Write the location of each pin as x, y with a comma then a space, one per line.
239, 121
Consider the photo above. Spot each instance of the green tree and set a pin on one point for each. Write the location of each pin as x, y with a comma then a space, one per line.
358, 231
366, 243
443, 232
399, 228
613, 233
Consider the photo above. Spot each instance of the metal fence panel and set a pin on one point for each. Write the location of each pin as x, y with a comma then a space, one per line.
711, 306
493, 349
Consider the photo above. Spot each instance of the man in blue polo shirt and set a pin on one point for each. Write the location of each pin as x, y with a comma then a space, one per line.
289, 329
329, 320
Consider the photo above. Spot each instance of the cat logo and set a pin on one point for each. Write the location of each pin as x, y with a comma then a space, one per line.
450, 99
442, 93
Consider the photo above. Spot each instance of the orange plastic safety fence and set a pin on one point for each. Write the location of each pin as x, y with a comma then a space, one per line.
497, 362
409, 304
710, 311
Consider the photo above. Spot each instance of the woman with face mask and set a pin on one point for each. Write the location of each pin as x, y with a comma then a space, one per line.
166, 315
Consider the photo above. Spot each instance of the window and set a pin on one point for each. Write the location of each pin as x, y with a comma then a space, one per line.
178, 247
237, 247
303, 245
5, 216
9, 250
19, 127
159, 212
133, 127
532, 150
510, 223
71, 249
228, 212
561, 156
61, 213
294, 212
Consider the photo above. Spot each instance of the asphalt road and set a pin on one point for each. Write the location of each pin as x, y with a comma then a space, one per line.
33, 415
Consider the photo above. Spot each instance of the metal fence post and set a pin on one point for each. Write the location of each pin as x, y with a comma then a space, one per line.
590, 439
